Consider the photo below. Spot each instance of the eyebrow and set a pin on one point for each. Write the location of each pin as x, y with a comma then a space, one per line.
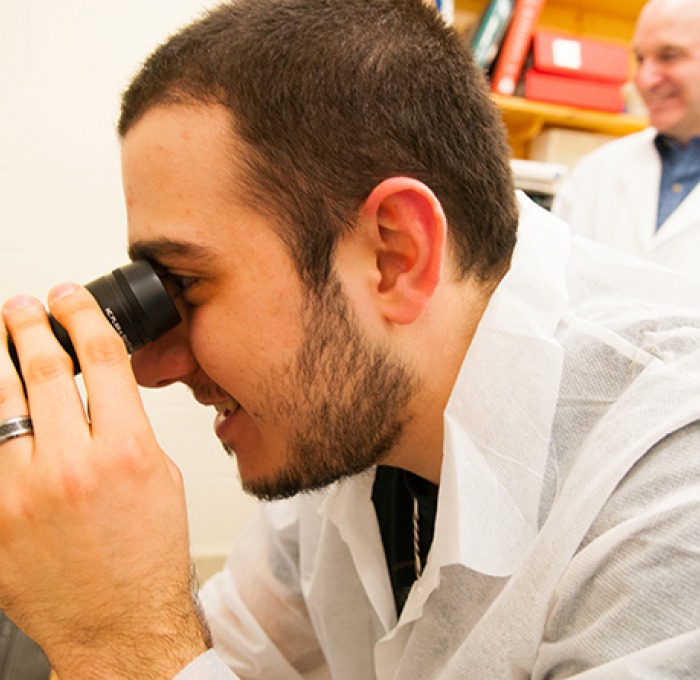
156, 250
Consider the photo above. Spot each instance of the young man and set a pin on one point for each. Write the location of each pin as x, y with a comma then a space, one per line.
640, 193
480, 457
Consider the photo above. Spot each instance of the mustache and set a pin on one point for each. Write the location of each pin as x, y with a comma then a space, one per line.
209, 394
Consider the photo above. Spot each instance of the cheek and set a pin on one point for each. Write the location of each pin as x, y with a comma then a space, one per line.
694, 91
239, 344
213, 338
230, 350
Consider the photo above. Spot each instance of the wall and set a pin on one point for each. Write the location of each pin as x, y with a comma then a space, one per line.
63, 67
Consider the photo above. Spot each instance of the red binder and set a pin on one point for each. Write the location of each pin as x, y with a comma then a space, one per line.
580, 57
516, 44
573, 91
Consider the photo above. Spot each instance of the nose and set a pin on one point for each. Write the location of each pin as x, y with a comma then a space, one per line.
167, 360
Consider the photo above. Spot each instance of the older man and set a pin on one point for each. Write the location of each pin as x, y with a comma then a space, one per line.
640, 193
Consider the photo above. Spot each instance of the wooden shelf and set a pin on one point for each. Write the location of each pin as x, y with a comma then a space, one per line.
525, 119
601, 19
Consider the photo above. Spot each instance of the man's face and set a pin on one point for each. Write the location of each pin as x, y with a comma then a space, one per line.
303, 395
667, 47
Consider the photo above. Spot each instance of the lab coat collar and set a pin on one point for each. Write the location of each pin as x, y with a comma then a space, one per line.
348, 505
499, 418
640, 190
497, 430
641, 194
683, 218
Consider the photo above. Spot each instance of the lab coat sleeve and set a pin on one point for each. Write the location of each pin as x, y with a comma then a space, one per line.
259, 622
628, 605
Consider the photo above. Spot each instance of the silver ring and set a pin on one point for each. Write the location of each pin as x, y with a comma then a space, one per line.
15, 427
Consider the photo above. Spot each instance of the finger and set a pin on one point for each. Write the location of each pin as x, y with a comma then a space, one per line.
52, 395
115, 402
13, 403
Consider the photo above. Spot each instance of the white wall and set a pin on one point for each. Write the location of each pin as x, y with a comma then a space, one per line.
63, 66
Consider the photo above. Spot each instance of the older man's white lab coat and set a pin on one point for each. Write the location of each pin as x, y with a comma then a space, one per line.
567, 538
612, 197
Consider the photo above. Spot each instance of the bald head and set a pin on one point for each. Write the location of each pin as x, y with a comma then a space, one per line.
666, 44
671, 8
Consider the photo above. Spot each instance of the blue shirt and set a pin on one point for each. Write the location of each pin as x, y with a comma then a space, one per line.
680, 172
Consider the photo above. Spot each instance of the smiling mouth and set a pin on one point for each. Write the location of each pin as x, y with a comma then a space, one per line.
660, 98
227, 408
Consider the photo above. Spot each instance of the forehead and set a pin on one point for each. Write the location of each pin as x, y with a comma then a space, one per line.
186, 145
178, 171
668, 23
187, 207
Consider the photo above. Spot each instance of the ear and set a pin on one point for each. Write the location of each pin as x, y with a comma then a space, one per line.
410, 234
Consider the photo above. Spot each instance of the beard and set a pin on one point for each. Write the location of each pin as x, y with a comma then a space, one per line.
347, 398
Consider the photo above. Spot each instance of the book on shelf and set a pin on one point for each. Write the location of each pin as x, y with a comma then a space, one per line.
515, 46
572, 91
539, 180
446, 9
579, 57
490, 30
537, 176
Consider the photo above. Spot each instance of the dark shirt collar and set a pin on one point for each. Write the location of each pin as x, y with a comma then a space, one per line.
667, 145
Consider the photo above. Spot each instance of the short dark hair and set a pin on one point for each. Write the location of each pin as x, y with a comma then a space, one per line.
329, 98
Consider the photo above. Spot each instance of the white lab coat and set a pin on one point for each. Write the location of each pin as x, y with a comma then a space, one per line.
567, 536
612, 196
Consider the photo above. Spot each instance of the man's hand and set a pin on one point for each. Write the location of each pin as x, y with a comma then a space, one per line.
94, 552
